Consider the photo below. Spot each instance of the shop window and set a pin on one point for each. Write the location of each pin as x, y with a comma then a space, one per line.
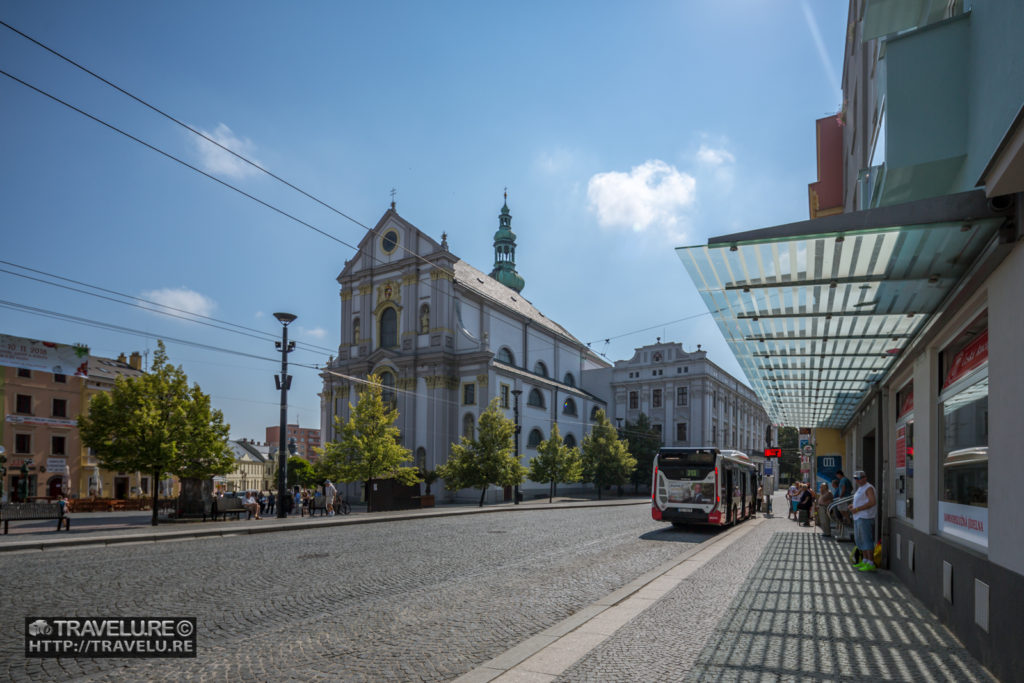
904, 456
534, 439
535, 398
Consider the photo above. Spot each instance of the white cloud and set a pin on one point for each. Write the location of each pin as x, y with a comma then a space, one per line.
315, 333
714, 157
654, 193
554, 161
182, 299
215, 160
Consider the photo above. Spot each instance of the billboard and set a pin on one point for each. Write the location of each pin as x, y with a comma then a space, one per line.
32, 354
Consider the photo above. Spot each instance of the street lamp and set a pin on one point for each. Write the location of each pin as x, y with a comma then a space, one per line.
515, 411
283, 381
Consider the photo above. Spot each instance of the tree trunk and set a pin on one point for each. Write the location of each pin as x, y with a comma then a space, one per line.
551, 492
598, 485
369, 495
156, 495
483, 492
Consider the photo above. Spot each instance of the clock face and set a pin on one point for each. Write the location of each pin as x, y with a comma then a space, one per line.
390, 241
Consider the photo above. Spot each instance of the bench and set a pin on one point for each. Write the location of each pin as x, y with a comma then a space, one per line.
317, 503
10, 512
228, 506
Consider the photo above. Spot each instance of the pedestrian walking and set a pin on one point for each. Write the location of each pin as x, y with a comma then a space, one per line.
864, 509
329, 493
791, 496
263, 502
271, 503
805, 501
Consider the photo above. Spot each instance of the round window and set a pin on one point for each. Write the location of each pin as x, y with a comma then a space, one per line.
390, 241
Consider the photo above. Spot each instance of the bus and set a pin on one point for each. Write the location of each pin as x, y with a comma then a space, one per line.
702, 486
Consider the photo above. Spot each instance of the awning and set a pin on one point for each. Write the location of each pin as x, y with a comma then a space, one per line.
818, 311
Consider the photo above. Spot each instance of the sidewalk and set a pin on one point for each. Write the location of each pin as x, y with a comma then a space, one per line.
112, 528
766, 600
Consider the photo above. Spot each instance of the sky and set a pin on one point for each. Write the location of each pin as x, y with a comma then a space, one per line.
620, 130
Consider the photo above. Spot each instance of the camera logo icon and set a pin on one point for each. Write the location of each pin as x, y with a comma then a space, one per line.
40, 627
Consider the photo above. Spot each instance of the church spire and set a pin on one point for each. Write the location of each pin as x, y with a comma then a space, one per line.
505, 251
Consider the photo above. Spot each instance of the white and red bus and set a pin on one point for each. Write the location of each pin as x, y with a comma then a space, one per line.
702, 486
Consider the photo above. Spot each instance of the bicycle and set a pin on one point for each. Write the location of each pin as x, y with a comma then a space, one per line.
342, 507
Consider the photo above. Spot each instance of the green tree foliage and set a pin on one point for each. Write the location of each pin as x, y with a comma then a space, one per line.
789, 463
488, 459
606, 459
156, 423
643, 442
302, 473
368, 448
555, 462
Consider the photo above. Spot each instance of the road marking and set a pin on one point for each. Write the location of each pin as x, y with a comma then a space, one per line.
546, 655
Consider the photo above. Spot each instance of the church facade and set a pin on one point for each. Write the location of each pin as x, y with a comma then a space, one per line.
446, 338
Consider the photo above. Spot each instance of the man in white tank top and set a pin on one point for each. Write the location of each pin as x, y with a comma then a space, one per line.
864, 508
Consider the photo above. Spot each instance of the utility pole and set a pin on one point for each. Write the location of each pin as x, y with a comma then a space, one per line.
284, 381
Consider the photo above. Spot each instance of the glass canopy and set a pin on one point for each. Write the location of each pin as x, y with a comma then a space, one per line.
815, 319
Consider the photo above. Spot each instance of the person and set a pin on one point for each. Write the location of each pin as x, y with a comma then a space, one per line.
825, 499
250, 504
805, 501
791, 496
271, 503
298, 500
845, 487
695, 495
864, 508
834, 487
329, 493
760, 497
263, 501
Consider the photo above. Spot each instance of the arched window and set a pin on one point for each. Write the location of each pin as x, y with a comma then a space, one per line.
540, 369
569, 407
468, 426
534, 439
389, 328
569, 441
505, 356
355, 331
424, 319
535, 398
387, 381
569, 380
593, 412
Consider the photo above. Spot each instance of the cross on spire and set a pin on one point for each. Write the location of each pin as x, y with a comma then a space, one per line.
393, 193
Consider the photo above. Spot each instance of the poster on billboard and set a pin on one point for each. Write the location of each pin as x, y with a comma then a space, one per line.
32, 354
828, 465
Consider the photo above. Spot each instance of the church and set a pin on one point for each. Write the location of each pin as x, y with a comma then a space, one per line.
446, 339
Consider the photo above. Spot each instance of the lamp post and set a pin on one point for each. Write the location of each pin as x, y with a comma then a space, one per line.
515, 411
283, 381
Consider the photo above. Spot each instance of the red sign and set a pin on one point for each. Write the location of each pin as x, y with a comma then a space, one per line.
901, 446
773, 452
972, 356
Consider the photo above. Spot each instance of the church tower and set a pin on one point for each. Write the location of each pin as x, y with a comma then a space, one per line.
505, 252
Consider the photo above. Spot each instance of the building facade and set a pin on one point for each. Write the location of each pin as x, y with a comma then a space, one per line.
254, 469
306, 440
445, 339
689, 400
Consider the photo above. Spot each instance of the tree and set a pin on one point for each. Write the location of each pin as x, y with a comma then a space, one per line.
156, 423
606, 459
487, 459
643, 442
789, 463
555, 462
301, 472
368, 448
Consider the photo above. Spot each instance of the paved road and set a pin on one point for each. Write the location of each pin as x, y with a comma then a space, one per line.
416, 600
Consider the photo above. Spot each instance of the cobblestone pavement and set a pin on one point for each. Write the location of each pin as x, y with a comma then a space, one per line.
782, 604
415, 600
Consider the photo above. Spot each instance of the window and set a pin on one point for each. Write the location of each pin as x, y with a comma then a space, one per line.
569, 380
23, 404
469, 394
657, 428
656, 398
569, 441
355, 331
593, 413
569, 407
540, 369
389, 328
60, 407
57, 445
535, 398
504, 395
468, 426
387, 381
634, 400
534, 439
424, 319
681, 431
682, 396
505, 356
22, 443
22, 372
60, 379
390, 241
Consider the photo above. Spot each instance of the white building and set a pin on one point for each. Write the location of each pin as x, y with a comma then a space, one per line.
688, 398
446, 338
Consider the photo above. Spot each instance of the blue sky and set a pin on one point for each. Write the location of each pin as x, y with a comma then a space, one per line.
622, 131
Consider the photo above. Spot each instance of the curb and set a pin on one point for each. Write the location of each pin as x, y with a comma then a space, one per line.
369, 518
